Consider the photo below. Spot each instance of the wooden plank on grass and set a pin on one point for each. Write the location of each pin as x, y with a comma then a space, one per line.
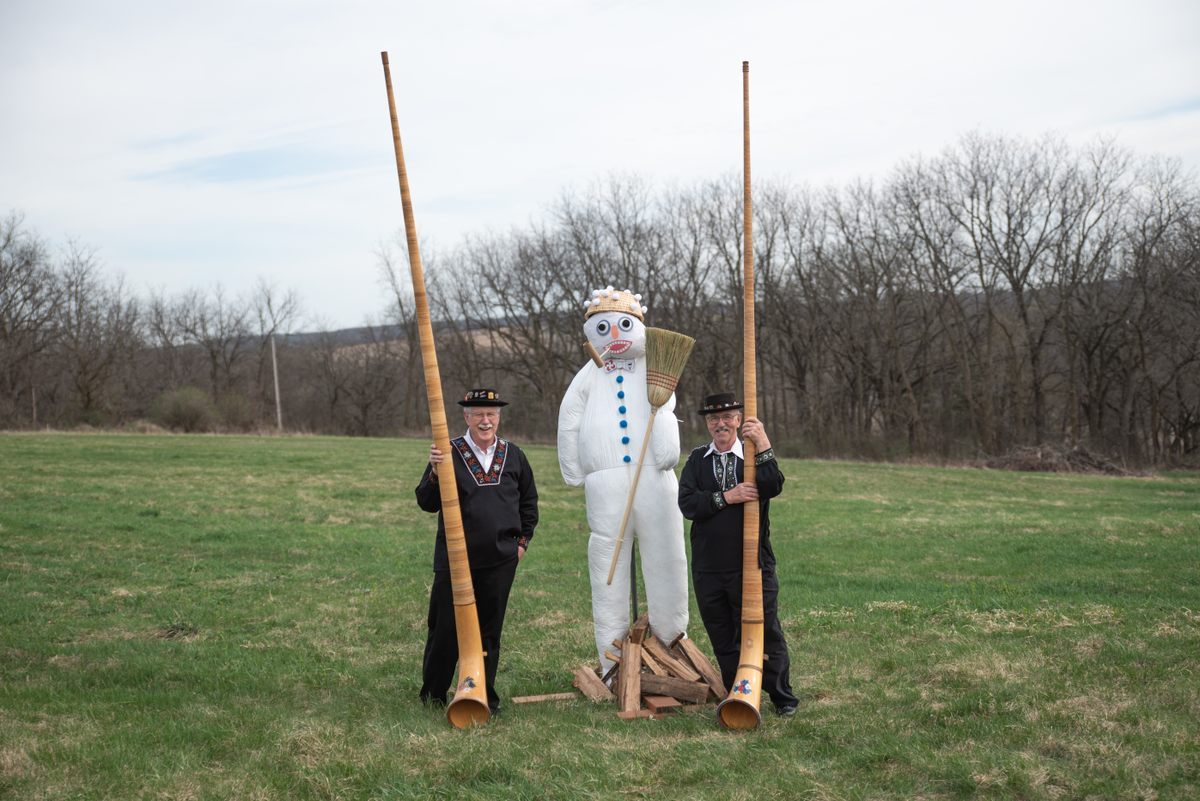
693, 692
535, 699
637, 713
661, 703
674, 667
699, 661
591, 686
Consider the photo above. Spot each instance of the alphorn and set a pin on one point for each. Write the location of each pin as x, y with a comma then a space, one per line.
469, 706
740, 709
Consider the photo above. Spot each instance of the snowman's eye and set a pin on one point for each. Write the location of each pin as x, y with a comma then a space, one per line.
602, 327
626, 324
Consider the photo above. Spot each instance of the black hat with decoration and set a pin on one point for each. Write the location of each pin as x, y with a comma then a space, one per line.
721, 402
482, 397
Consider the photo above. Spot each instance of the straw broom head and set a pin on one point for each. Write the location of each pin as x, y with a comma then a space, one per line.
666, 354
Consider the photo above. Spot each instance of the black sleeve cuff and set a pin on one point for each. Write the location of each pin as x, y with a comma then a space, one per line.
719, 500
765, 456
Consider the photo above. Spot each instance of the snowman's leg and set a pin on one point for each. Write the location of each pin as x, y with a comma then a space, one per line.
664, 559
605, 494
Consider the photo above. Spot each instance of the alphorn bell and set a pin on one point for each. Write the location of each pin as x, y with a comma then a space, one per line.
740, 710
470, 705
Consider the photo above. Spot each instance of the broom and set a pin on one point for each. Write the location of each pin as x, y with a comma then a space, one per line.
666, 354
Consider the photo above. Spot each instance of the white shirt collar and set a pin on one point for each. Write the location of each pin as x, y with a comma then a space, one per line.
484, 456
737, 448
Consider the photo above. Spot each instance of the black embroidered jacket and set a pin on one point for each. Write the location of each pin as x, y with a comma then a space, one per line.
499, 507
717, 526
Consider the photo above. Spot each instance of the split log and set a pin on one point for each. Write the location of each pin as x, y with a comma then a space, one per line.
699, 661
653, 664
607, 678
591, 686
676, 668
693, 692
639, 630
629, 676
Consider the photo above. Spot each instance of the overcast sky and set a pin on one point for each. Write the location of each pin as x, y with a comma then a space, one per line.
199, 143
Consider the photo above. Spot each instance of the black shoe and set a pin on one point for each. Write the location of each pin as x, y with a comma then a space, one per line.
786, 711
433, 701
494, 710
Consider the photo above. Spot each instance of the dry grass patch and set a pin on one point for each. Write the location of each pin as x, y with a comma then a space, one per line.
550, 619
179, 631
891, 606
1092, 710
988, 666
16, 764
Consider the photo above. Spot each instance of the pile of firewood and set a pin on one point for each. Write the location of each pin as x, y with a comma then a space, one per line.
650, 677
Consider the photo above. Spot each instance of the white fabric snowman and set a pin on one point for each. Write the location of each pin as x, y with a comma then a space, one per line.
601, 425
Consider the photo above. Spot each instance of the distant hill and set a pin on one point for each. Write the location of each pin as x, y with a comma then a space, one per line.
344, 336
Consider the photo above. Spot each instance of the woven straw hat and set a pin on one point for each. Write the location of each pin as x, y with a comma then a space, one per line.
611, 300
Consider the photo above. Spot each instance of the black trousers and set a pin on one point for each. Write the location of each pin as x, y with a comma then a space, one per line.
492, 585
719, 596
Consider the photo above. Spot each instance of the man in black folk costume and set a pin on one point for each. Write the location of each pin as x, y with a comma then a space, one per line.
499, 505
711, 495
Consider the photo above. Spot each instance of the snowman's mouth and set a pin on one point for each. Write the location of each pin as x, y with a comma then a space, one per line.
617, 346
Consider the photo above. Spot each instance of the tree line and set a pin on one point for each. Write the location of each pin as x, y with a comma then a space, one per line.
1000, 294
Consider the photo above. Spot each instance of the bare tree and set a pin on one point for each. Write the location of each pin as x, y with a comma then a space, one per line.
220, 327
30, 296
361, 381
98, 321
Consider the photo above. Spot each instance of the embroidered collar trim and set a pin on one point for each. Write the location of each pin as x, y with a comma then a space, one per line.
483, 479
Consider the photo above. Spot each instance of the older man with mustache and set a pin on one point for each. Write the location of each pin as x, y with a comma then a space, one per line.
499, 503
711, 494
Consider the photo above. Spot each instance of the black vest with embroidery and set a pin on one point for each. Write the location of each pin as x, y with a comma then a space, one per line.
499, 505
717, 538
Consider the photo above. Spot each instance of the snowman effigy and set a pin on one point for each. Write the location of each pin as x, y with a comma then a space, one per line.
602, 445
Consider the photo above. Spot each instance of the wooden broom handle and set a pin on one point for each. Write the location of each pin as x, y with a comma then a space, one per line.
612, 569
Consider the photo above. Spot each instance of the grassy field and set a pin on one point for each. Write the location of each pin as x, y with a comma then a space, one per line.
236, 617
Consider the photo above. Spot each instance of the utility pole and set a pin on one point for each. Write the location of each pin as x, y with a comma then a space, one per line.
275, 370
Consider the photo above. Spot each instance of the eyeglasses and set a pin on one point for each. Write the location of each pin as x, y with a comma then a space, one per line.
484, 415
727, 417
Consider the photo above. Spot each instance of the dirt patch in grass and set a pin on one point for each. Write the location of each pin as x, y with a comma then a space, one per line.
1091, 709
986, 667
64, 661
1088, 647
550, 619
179, 630
16, 764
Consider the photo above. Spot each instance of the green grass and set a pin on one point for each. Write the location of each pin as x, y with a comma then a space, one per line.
235, 617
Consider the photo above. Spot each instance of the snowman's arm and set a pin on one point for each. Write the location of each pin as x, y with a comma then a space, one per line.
664, 439
570, 418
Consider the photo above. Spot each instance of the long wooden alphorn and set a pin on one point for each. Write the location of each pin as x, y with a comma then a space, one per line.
740, 710
469, 706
